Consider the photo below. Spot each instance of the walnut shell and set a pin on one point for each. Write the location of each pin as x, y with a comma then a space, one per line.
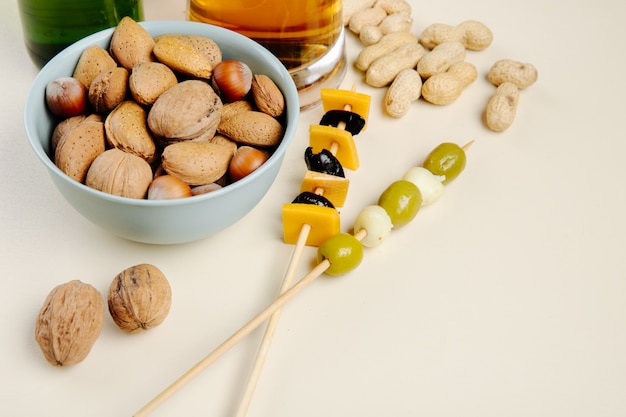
139, 298
186, 111
120, 173
69, 323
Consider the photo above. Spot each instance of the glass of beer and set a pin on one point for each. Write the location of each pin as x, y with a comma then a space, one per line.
306, 35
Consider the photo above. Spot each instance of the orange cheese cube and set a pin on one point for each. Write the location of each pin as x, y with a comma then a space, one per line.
334, 188
324, 222
323, 137
338, 99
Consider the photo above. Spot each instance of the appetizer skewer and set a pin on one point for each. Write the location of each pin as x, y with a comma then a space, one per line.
343, 252
325, 176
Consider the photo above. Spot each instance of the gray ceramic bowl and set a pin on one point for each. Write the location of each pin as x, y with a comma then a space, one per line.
164, 221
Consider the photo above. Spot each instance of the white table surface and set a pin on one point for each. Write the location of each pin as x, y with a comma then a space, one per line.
507, 297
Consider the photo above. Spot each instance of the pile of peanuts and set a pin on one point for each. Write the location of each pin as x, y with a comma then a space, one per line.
432, 65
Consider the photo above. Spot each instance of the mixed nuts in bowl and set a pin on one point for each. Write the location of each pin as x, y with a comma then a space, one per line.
179, 154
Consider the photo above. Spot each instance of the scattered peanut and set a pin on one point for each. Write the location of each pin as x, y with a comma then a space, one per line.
396, 22
366, 17
351, 7
394, 6
466, 71
405, 89
386, 44
473, 34
502, 106
383, 71
442, 88
370, 34
509, 77
440, 74
521, 74
445, 87
441, 58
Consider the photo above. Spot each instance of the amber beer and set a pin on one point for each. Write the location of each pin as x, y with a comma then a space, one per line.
306, 35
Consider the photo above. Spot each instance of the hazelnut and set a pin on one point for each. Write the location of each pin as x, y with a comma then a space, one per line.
245, 161
167, 187
232, 80
66, 97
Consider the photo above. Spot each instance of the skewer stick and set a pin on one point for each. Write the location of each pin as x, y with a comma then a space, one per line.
468, 145
287, 293
272, 324
266, 341
234, 339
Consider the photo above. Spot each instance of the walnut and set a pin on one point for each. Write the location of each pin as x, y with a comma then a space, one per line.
69, 323
186, 111
139, 298
120, 173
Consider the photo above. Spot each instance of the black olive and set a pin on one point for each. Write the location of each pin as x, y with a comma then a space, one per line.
324, 162
354, 122
307, 197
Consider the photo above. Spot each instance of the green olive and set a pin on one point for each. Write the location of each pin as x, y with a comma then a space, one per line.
401, 200
343, 251
446, 161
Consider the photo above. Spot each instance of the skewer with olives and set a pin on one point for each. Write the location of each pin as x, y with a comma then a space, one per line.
337, 255
397, 206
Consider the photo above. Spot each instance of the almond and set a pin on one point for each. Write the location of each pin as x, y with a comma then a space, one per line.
206, 46
252, 128
92, 62
131, 44
149, 80
267, 96
196, 163
126, 128
108, 89
182, 57
78, 148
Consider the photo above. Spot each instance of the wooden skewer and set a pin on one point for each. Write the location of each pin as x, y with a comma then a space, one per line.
468, 145
272, 324
266, 341
272, 312
234, 339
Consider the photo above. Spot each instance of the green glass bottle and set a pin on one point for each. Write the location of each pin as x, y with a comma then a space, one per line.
51, 25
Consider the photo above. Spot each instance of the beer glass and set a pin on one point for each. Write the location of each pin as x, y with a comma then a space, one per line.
306, 35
